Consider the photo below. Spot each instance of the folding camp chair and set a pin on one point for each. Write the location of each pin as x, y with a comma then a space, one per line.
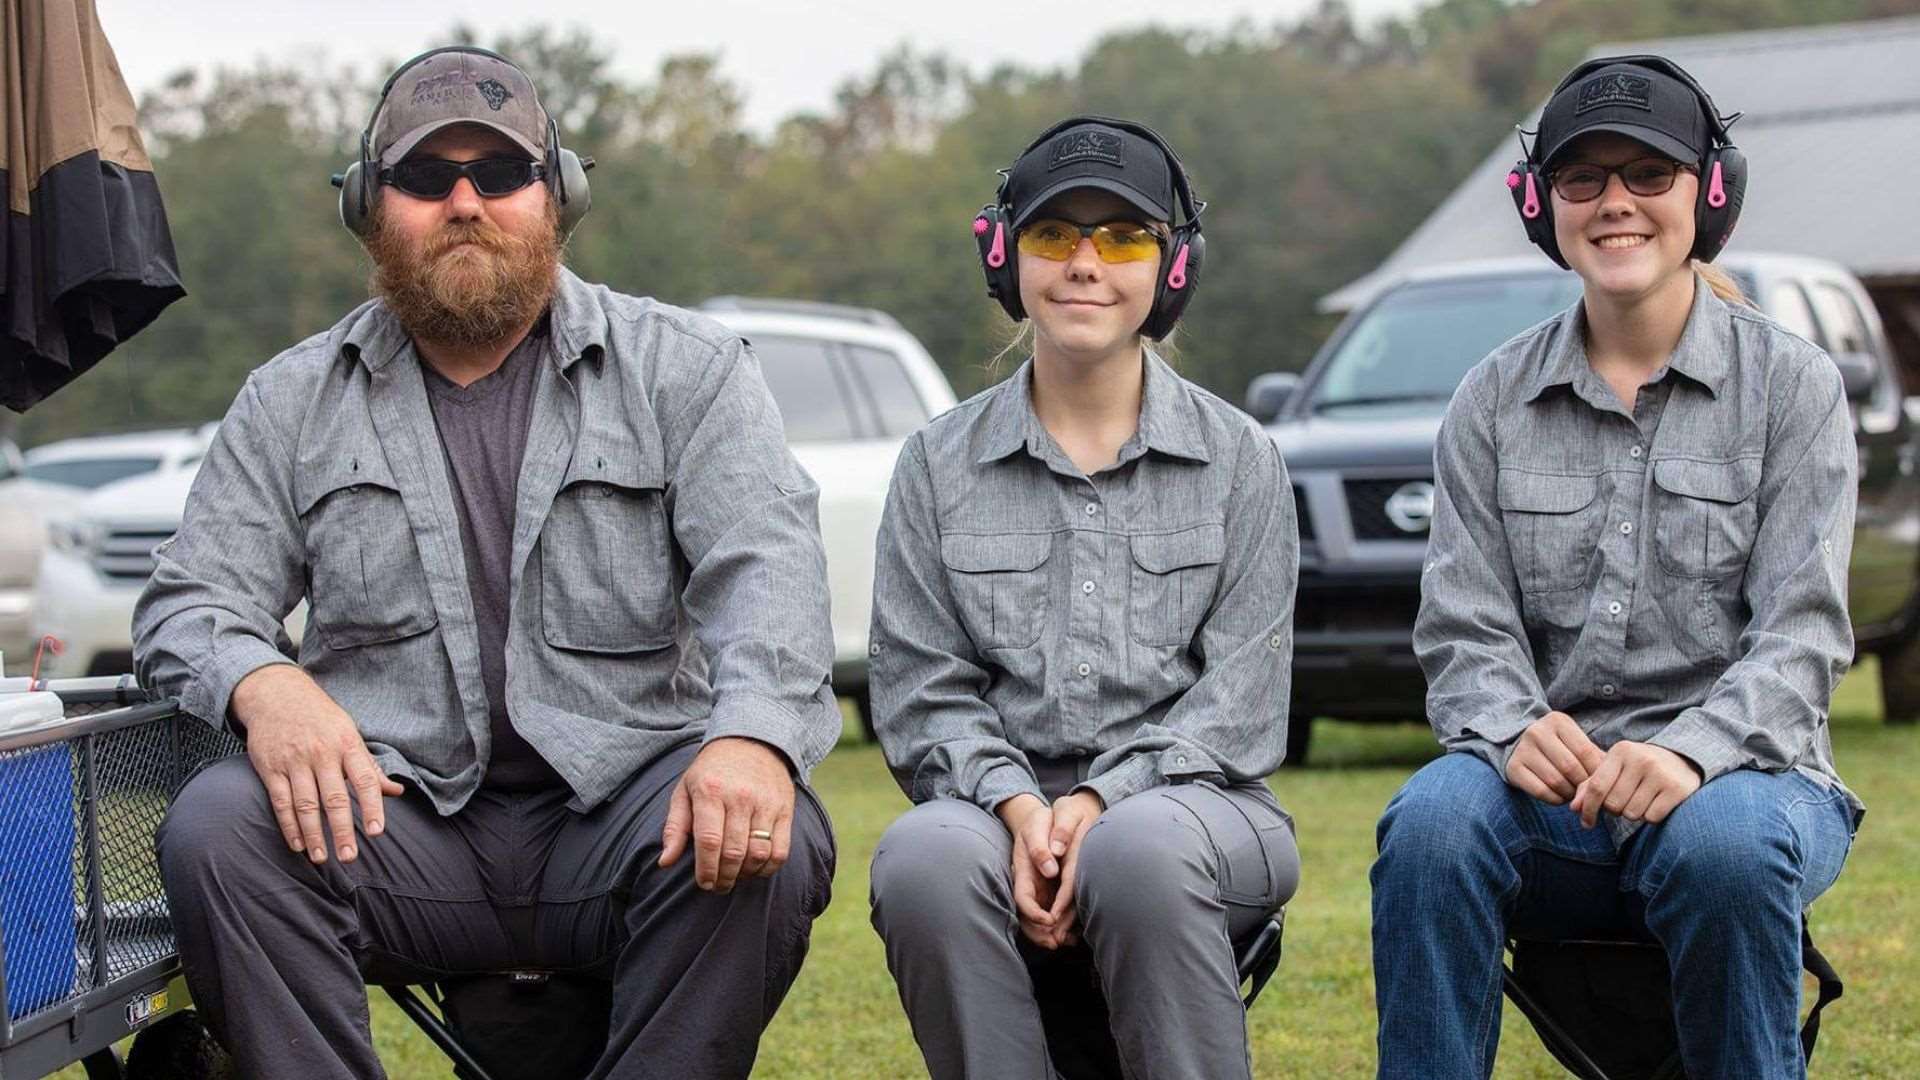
1078, 1037
1582, 997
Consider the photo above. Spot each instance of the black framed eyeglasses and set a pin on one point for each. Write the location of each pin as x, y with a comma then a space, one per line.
1583, 181
434, 178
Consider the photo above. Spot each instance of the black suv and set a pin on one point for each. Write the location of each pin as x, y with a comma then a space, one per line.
1357, 431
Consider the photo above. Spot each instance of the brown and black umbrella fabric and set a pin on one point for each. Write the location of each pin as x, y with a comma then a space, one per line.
87, 257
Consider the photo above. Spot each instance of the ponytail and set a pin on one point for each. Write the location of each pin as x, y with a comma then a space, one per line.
1722, 283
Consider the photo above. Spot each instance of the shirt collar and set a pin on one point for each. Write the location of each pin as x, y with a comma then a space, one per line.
577, 323
1169, 418
1700, 354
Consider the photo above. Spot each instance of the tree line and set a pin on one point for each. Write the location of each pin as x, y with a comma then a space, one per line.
1319, 145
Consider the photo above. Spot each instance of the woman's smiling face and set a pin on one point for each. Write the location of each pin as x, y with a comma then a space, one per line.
1621, 244
1086, 306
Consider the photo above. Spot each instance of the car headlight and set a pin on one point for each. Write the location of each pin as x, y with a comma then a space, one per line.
74, 536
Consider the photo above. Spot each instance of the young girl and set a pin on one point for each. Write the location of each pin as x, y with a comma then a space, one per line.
1081, 639
1634, 615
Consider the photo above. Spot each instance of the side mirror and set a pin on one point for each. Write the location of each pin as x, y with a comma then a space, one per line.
1858, 373
1267, 394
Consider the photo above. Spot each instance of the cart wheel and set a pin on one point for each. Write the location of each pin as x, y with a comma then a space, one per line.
178, 1048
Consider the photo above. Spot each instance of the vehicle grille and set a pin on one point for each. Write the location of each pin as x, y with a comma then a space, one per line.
1367, 506
1301, 512
127, 554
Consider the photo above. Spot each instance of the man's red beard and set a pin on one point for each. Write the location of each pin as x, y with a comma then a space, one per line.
465, 296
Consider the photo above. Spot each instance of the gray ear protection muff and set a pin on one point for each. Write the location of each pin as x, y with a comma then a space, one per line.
1186, 252
1723, 172
566, 171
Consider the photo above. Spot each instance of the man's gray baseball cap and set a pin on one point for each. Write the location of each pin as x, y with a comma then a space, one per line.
458, 86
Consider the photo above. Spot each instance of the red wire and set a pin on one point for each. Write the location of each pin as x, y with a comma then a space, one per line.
47, 641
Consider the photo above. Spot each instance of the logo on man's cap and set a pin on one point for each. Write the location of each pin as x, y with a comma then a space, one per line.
1618, 88
1084, 146
495, 92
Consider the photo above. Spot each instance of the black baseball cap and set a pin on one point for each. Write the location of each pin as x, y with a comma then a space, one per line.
1629, 99
1092, 154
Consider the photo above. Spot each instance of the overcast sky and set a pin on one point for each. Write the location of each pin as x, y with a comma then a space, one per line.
788, 55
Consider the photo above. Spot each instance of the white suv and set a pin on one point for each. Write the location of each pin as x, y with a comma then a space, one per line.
851, 384
97, 460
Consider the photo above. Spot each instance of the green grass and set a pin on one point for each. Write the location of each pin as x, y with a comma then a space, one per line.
843, 1020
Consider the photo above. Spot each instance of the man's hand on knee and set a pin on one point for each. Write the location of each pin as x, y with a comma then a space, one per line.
1553, 758
309, 754
735, 803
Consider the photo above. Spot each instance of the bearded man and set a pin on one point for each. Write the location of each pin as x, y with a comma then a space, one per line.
568, 627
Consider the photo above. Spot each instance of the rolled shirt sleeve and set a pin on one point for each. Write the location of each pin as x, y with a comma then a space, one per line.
1771, 702
940, 736
1231, 725
212, 612
1482, 687
747, 519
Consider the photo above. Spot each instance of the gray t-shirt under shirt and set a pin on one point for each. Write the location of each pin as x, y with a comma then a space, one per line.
483, 431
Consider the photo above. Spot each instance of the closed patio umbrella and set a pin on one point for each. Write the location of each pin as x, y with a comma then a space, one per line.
88, 260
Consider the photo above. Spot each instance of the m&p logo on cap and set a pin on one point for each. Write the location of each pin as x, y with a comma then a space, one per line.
1615, 88
1084, 146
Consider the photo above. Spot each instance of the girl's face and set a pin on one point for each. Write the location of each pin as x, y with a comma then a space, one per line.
1085, 306
1624, 246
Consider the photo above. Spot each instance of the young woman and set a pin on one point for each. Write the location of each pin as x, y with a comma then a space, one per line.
1633, 617
1081, 640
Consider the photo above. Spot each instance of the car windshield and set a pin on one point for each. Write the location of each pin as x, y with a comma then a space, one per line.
90, 472
1409, 351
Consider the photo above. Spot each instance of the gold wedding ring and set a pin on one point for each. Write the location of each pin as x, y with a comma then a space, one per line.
760, 834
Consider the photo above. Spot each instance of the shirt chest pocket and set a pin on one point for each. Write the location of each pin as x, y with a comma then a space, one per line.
606, 561
1174, 578
367, 585
1553, 524
1000, 586
1705, 515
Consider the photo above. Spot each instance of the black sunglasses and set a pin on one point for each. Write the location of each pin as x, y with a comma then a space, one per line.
1583, 182
433, 178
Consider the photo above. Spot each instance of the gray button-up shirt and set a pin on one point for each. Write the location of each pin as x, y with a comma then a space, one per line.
1674, 575
1143, 615
668, 578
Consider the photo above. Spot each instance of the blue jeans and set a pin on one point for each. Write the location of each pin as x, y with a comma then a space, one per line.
1467, 861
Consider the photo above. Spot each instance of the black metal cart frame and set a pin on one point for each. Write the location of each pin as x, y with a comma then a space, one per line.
128, 755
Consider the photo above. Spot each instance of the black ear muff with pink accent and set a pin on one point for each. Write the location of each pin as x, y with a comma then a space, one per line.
1119, 156
1650, 99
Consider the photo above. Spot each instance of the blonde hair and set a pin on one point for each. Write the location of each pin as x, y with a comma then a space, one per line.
1722, 283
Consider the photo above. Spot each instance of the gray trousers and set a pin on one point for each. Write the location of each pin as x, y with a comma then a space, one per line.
276, 949
1167, 881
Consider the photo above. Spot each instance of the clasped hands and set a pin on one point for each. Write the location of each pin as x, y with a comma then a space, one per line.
1046, 853
1556, 763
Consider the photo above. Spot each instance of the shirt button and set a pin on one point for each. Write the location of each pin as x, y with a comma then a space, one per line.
873, 648
1826, 546
1607, 690
1634, 453
1180, 759
1613, 608
1626, 528
1086, 586
1092, 509
1083, 669
1276, 641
